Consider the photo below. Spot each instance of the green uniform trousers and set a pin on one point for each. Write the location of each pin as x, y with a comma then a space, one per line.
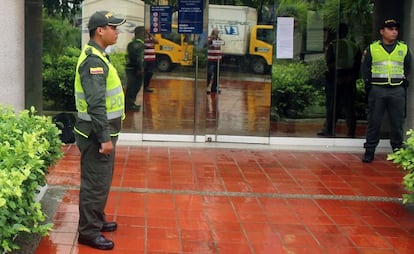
96, 178
392, 100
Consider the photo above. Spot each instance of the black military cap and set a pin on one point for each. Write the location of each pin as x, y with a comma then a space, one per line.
390, 23
104, 18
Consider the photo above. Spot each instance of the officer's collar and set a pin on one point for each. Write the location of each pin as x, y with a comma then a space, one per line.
388, 45
95, 45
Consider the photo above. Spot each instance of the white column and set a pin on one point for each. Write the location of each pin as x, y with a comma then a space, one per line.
132, 10
12, 53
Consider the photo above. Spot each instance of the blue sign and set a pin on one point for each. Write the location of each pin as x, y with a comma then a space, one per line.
160, 19
190, 16
232, 30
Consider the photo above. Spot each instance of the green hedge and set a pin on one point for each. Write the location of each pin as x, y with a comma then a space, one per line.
296, 86
405, 159
29, 145
299, 87
58, 80
59, 77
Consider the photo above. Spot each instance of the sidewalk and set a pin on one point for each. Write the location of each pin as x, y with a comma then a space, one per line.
228, 200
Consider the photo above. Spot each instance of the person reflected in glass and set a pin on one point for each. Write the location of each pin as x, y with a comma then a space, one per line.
134, 68
214, 56
343, 58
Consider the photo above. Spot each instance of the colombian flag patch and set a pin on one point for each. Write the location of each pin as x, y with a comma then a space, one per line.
96, 70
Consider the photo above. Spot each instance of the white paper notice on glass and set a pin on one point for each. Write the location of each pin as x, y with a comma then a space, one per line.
284, 42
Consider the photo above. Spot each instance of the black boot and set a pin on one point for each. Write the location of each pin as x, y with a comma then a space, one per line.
368, 156
100, 242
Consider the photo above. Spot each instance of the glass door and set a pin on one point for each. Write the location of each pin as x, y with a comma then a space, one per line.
204, 89
240, 52
170, 102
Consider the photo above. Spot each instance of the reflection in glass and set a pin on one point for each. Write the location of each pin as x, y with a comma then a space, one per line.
170, 108
343, 58
241, 105
305, 102
174, 50
256, 83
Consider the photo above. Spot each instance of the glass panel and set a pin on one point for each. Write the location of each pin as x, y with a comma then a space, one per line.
239, 59
316, 90
170, 107
176, 103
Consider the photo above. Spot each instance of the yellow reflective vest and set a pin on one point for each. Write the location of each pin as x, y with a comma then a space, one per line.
114, 91
388, 68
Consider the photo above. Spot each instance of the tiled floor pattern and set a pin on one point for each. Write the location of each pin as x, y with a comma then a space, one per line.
217, 200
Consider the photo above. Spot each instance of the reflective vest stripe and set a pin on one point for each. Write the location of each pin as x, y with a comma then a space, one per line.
80, 133
386, 63
108, 93
387, 75
110, 115
86, 136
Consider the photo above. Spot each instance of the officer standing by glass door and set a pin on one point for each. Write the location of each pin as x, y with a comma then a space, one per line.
385, 66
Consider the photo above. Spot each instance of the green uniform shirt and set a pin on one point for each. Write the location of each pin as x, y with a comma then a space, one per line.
135, 58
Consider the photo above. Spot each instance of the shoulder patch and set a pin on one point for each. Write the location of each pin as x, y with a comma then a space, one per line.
88, 51
96, 70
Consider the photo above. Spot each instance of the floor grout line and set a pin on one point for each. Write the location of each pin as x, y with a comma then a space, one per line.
246, 194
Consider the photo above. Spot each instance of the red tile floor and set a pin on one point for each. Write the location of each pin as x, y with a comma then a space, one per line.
226, 200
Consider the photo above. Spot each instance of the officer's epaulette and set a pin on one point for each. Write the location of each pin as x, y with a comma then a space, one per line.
88, 51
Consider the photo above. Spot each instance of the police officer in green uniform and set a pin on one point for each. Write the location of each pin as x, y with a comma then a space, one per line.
343, 60
134, 68
385, 66
100, 105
